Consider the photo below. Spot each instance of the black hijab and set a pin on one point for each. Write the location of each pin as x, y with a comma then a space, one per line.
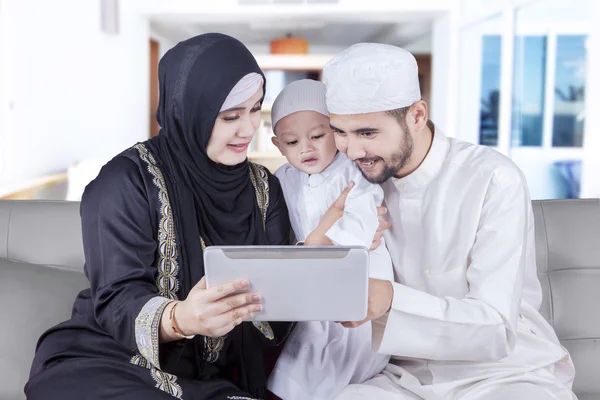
195, 78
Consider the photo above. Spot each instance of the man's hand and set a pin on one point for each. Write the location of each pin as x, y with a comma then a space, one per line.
381, 294
383, 226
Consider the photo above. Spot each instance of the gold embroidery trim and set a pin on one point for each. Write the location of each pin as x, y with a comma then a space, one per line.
265, 329
213, 346
168, 269
164, 381
260, 181
147, 325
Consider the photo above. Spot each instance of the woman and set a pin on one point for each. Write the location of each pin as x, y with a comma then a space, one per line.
148, 328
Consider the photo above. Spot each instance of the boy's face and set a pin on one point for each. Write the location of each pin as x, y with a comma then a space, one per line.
306, 140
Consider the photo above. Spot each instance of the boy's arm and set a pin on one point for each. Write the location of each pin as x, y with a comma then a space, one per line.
359, 223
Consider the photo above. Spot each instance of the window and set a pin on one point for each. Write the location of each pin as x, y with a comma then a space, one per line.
528, 90
490, 90
569, 91
479, 84
523, 90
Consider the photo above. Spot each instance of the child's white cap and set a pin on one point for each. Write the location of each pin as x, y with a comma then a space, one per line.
302, 95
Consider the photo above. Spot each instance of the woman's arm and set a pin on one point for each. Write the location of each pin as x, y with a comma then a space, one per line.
120, 248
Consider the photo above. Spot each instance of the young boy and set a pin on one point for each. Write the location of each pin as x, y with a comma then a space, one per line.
321, 358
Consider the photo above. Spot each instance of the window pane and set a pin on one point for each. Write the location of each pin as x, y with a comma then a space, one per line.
529, 79
490, 90
479, 81
569, 118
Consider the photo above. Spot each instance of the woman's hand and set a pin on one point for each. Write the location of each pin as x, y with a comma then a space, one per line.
210, 312
335, 212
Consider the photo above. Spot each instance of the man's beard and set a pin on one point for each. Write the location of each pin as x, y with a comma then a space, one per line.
397, 161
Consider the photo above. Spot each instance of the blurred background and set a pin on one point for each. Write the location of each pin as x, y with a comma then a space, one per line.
78, 78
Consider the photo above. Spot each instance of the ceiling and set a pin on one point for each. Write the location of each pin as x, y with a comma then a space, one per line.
319, 32
260, 2
333, 34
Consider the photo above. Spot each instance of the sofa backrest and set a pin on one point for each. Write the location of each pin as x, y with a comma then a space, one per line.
568, 260
41, 264
42, 232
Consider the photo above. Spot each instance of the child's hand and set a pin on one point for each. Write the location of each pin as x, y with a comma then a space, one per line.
335, 212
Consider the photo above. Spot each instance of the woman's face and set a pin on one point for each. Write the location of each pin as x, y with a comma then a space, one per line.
233, 131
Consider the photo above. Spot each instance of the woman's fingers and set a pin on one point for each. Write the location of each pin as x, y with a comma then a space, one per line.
202, 283
232, 302
215, 311
222, 331
225, 322
218, 292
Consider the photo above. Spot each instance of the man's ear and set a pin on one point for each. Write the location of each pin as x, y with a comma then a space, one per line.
418, 115
275, 141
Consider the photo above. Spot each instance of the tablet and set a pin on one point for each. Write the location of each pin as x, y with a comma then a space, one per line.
297, 283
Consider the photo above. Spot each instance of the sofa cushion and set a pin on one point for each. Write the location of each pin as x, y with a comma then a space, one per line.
34, 298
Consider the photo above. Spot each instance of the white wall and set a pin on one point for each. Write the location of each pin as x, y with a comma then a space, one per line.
543, 177
444, 71
164, 44
69, 92
164, 38
591, 160
231, 10
420, 46
7, 52
74, 92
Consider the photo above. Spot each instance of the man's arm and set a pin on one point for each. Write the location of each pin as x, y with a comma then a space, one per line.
482, 325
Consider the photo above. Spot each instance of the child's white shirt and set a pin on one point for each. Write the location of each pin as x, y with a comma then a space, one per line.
321, 358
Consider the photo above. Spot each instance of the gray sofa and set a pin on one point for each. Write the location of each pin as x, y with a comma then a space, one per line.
41, 270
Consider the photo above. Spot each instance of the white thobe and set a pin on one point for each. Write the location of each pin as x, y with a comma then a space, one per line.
321, 358
464, 322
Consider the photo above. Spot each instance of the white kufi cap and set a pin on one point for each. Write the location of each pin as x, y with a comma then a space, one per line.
371, 77
302, 95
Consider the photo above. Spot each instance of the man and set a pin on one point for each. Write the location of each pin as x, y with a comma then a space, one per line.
461, 319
